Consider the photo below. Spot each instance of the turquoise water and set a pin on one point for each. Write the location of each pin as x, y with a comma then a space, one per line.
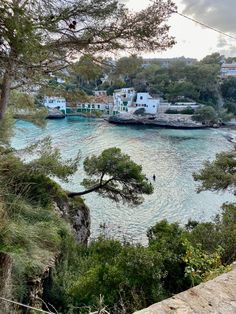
173, 155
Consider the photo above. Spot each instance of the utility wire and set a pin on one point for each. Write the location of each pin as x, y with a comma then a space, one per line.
24, 305
205, 25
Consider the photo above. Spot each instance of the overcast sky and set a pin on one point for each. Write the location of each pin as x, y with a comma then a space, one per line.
192, 39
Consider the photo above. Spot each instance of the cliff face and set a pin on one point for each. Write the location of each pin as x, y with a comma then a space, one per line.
77, 214
74, 212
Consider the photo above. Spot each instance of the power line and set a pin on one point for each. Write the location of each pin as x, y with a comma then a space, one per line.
205, 25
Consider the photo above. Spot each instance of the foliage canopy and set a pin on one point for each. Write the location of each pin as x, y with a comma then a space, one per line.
41, 37
113, 174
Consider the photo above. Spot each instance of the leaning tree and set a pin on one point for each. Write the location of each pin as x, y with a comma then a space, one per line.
41, 37
114, 175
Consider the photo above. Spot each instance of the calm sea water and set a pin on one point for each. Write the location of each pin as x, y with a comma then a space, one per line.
172, 155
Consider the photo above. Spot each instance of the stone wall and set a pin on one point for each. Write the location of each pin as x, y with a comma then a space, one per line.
217, 296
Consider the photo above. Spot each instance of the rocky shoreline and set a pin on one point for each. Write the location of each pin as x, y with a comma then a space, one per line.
173, 121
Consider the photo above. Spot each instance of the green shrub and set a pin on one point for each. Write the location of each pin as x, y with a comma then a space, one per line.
127, 277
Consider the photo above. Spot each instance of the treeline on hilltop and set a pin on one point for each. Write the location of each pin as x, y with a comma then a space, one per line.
199, 81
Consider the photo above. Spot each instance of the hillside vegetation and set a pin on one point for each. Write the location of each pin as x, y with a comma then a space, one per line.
108, 274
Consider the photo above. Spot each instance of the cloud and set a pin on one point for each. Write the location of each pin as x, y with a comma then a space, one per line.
224, 47
219, 14
230, 51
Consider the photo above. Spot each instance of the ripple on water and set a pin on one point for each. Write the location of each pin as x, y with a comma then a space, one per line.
173, 155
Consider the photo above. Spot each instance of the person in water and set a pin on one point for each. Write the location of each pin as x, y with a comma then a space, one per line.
154, 177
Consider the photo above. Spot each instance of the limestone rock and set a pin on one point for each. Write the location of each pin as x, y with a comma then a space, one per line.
175, 121
217, 296
77, 213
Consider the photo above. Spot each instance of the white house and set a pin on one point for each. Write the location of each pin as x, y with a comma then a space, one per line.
55, 103
127, 100
146, 101
100, 93
105, 108
228, 69
123, 99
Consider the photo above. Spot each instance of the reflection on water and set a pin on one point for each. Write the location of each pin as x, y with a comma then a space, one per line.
172, 155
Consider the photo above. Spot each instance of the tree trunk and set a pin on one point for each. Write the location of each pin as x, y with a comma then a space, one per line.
73, 194
94, 188
5, 93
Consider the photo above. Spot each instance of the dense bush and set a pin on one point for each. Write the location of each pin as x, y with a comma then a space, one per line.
124, 277
206, 114
219, 233
127, 277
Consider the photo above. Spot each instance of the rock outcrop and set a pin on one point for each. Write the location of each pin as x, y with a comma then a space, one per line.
77, 214
174, 121
217, 296
55, 114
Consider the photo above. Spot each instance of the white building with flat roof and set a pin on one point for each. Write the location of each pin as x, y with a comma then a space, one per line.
92, 107
228, 69
123, 99
146, 101
127, 100
52, 102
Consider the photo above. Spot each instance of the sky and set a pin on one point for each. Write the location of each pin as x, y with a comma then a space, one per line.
192, 39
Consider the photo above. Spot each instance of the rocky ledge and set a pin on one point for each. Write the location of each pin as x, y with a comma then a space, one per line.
217, 296
55, 114
174, 121
77, 214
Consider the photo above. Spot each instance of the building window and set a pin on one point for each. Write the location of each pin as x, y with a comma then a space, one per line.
83, 105
141, 97
89, 106
93, 106
98, 106
50, 101
153, 106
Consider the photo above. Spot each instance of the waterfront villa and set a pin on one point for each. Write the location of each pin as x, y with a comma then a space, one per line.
146, 101
127, 100
52, 102
98, 103
123, 99
92, 107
